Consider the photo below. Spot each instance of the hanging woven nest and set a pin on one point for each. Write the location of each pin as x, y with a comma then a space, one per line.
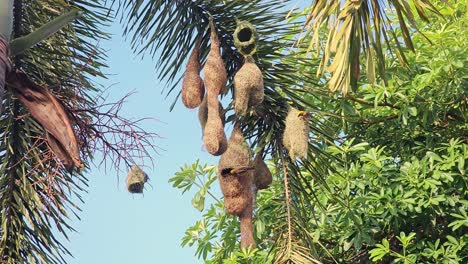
235, 174
245, 38
214, 69
296, 133
214, 137
50, 113
248, 87
263, 177
136, 179
193, 88
203, 114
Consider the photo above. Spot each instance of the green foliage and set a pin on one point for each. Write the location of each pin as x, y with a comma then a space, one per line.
421, 200
216, 235
387, 195
396, 186
198, 175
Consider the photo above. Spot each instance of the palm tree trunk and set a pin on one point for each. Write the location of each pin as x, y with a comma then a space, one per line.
5, 67
6, 28
6, 18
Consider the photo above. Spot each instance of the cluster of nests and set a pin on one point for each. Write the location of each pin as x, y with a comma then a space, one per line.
240, 175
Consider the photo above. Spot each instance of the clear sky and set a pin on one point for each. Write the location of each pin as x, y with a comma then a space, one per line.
118, 227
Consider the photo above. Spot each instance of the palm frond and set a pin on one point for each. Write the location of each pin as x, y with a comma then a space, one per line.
361, 27
37, 194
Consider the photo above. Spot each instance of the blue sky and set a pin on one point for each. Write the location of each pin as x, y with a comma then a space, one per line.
118, 227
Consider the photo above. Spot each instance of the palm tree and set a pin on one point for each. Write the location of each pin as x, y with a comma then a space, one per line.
44, 155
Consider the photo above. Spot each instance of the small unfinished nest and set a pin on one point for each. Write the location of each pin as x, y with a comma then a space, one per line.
245, 38
248, 87
136, 179
235, 174
214, 137
214, 70
193, 88
263, 177
50, 113
296, 133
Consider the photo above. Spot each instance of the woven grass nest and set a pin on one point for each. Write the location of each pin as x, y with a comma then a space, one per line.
203, 114
245, 38
136, 179
246, 227
263, 177
214, 69
248, 87
214, 137
193, 88
296, 133
235, 174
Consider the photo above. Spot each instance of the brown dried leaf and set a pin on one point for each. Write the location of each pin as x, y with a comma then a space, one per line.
48, 111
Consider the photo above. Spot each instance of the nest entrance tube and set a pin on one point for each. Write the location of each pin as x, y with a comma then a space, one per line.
136, 179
